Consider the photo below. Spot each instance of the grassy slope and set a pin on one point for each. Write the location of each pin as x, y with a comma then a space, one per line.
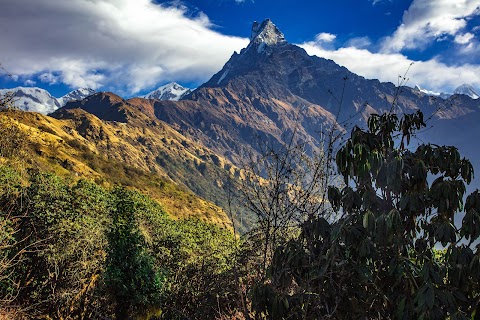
142, 153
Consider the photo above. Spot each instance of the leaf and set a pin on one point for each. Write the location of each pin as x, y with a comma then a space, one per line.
369, 221
400, 309
430, 297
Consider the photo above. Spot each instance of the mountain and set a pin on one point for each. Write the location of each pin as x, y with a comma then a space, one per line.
467, 90
39, 100
265, 94
171, 91
33, 99
271, 89
442, 95
75, 95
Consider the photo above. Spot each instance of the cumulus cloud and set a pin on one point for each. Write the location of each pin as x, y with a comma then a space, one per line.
29, 83
123, 45
431, 74
325, 37
464, 38
49, 78
428, 20
359, 42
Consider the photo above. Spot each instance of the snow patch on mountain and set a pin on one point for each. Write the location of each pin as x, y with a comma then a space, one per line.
266, 33
171, 91
428, 92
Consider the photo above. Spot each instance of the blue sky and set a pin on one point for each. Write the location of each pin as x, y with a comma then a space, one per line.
133, 46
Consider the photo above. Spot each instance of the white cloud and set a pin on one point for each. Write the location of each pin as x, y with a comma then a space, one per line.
29, 83
432, 74
48, 77
359, 42
122, 45
464, 38
427, 20
325, 37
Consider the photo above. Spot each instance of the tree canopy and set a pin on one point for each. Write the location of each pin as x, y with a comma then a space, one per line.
382, 258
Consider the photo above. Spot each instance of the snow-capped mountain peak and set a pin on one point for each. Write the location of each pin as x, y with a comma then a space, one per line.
40, 100
75, 95
467, 90
464, 89
266, 32
33, 99
170, 91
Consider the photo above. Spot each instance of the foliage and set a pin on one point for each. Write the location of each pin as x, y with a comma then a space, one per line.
378, 261
130, 277
74, 250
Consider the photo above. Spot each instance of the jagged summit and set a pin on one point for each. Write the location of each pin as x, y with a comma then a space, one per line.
171, 91
265, 40
468, 90
267, 33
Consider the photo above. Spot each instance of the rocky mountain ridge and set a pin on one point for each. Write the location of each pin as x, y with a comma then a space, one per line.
273, 88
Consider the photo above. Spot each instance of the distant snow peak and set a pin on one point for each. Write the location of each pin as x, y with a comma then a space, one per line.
266, 33
39, 100
76, 95
171, 91
467, 90
464, 89
428, 92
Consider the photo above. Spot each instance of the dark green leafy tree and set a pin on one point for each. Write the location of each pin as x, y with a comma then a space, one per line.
379, 260
130, 277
